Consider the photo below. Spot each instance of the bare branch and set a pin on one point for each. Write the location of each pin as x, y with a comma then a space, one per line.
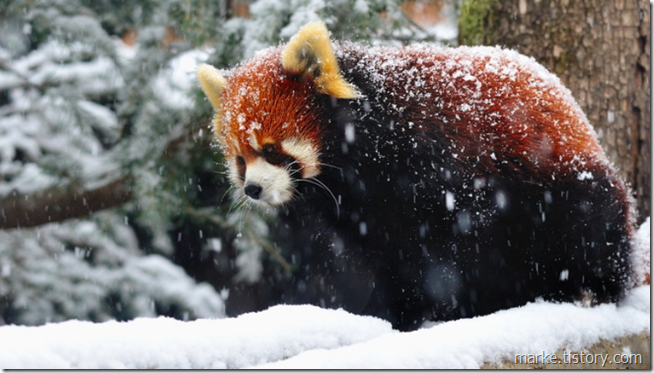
73, 201
59, 204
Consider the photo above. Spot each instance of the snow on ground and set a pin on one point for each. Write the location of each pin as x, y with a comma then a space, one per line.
311, 337
641, 252
250, 339
469, 343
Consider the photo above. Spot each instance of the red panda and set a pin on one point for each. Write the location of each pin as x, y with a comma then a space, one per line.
438, 182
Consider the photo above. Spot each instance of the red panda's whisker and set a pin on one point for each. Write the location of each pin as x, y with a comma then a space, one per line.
290, 169
231, 187
329, 165
296, 195
322, 185
239, 203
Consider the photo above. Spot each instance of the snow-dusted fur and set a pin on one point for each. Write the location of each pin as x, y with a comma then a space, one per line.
449, 183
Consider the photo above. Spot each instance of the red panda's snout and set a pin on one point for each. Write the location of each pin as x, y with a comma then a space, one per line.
267, 175
266, 183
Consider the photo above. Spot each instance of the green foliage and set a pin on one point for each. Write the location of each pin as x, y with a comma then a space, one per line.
272, 22
474, 18
78, 107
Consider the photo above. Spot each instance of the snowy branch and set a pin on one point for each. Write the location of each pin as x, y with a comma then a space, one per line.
59, 204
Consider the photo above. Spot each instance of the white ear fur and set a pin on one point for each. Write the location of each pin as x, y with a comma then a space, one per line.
212, 83
310, 52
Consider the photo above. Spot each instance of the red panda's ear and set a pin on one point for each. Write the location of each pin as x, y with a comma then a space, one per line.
212, 83
310, 52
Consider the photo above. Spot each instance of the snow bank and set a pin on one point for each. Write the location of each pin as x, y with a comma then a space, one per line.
256, 338
469, 343
309, 337
641, 252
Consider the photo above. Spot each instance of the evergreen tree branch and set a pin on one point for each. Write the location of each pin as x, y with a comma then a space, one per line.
73, 201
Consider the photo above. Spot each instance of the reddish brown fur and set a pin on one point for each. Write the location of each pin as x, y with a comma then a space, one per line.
549, 135
286, 107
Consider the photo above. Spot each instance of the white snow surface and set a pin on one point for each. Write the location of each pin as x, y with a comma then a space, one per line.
469, 343
310, 337
250, 339
641, 251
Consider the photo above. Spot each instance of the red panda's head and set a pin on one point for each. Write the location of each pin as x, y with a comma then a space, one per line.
269, 117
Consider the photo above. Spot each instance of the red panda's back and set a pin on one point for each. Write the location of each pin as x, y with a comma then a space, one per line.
492, 106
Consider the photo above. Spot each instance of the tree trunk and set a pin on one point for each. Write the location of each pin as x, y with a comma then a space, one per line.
600, 50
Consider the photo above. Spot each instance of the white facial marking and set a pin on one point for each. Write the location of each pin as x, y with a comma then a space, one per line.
231, 141
252, 139
277, 185
305, 153
232, 170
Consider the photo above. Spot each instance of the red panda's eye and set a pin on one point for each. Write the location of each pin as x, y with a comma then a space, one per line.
274, 155
271, 154
269, 150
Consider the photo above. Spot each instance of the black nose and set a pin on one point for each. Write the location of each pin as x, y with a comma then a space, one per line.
253, 191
